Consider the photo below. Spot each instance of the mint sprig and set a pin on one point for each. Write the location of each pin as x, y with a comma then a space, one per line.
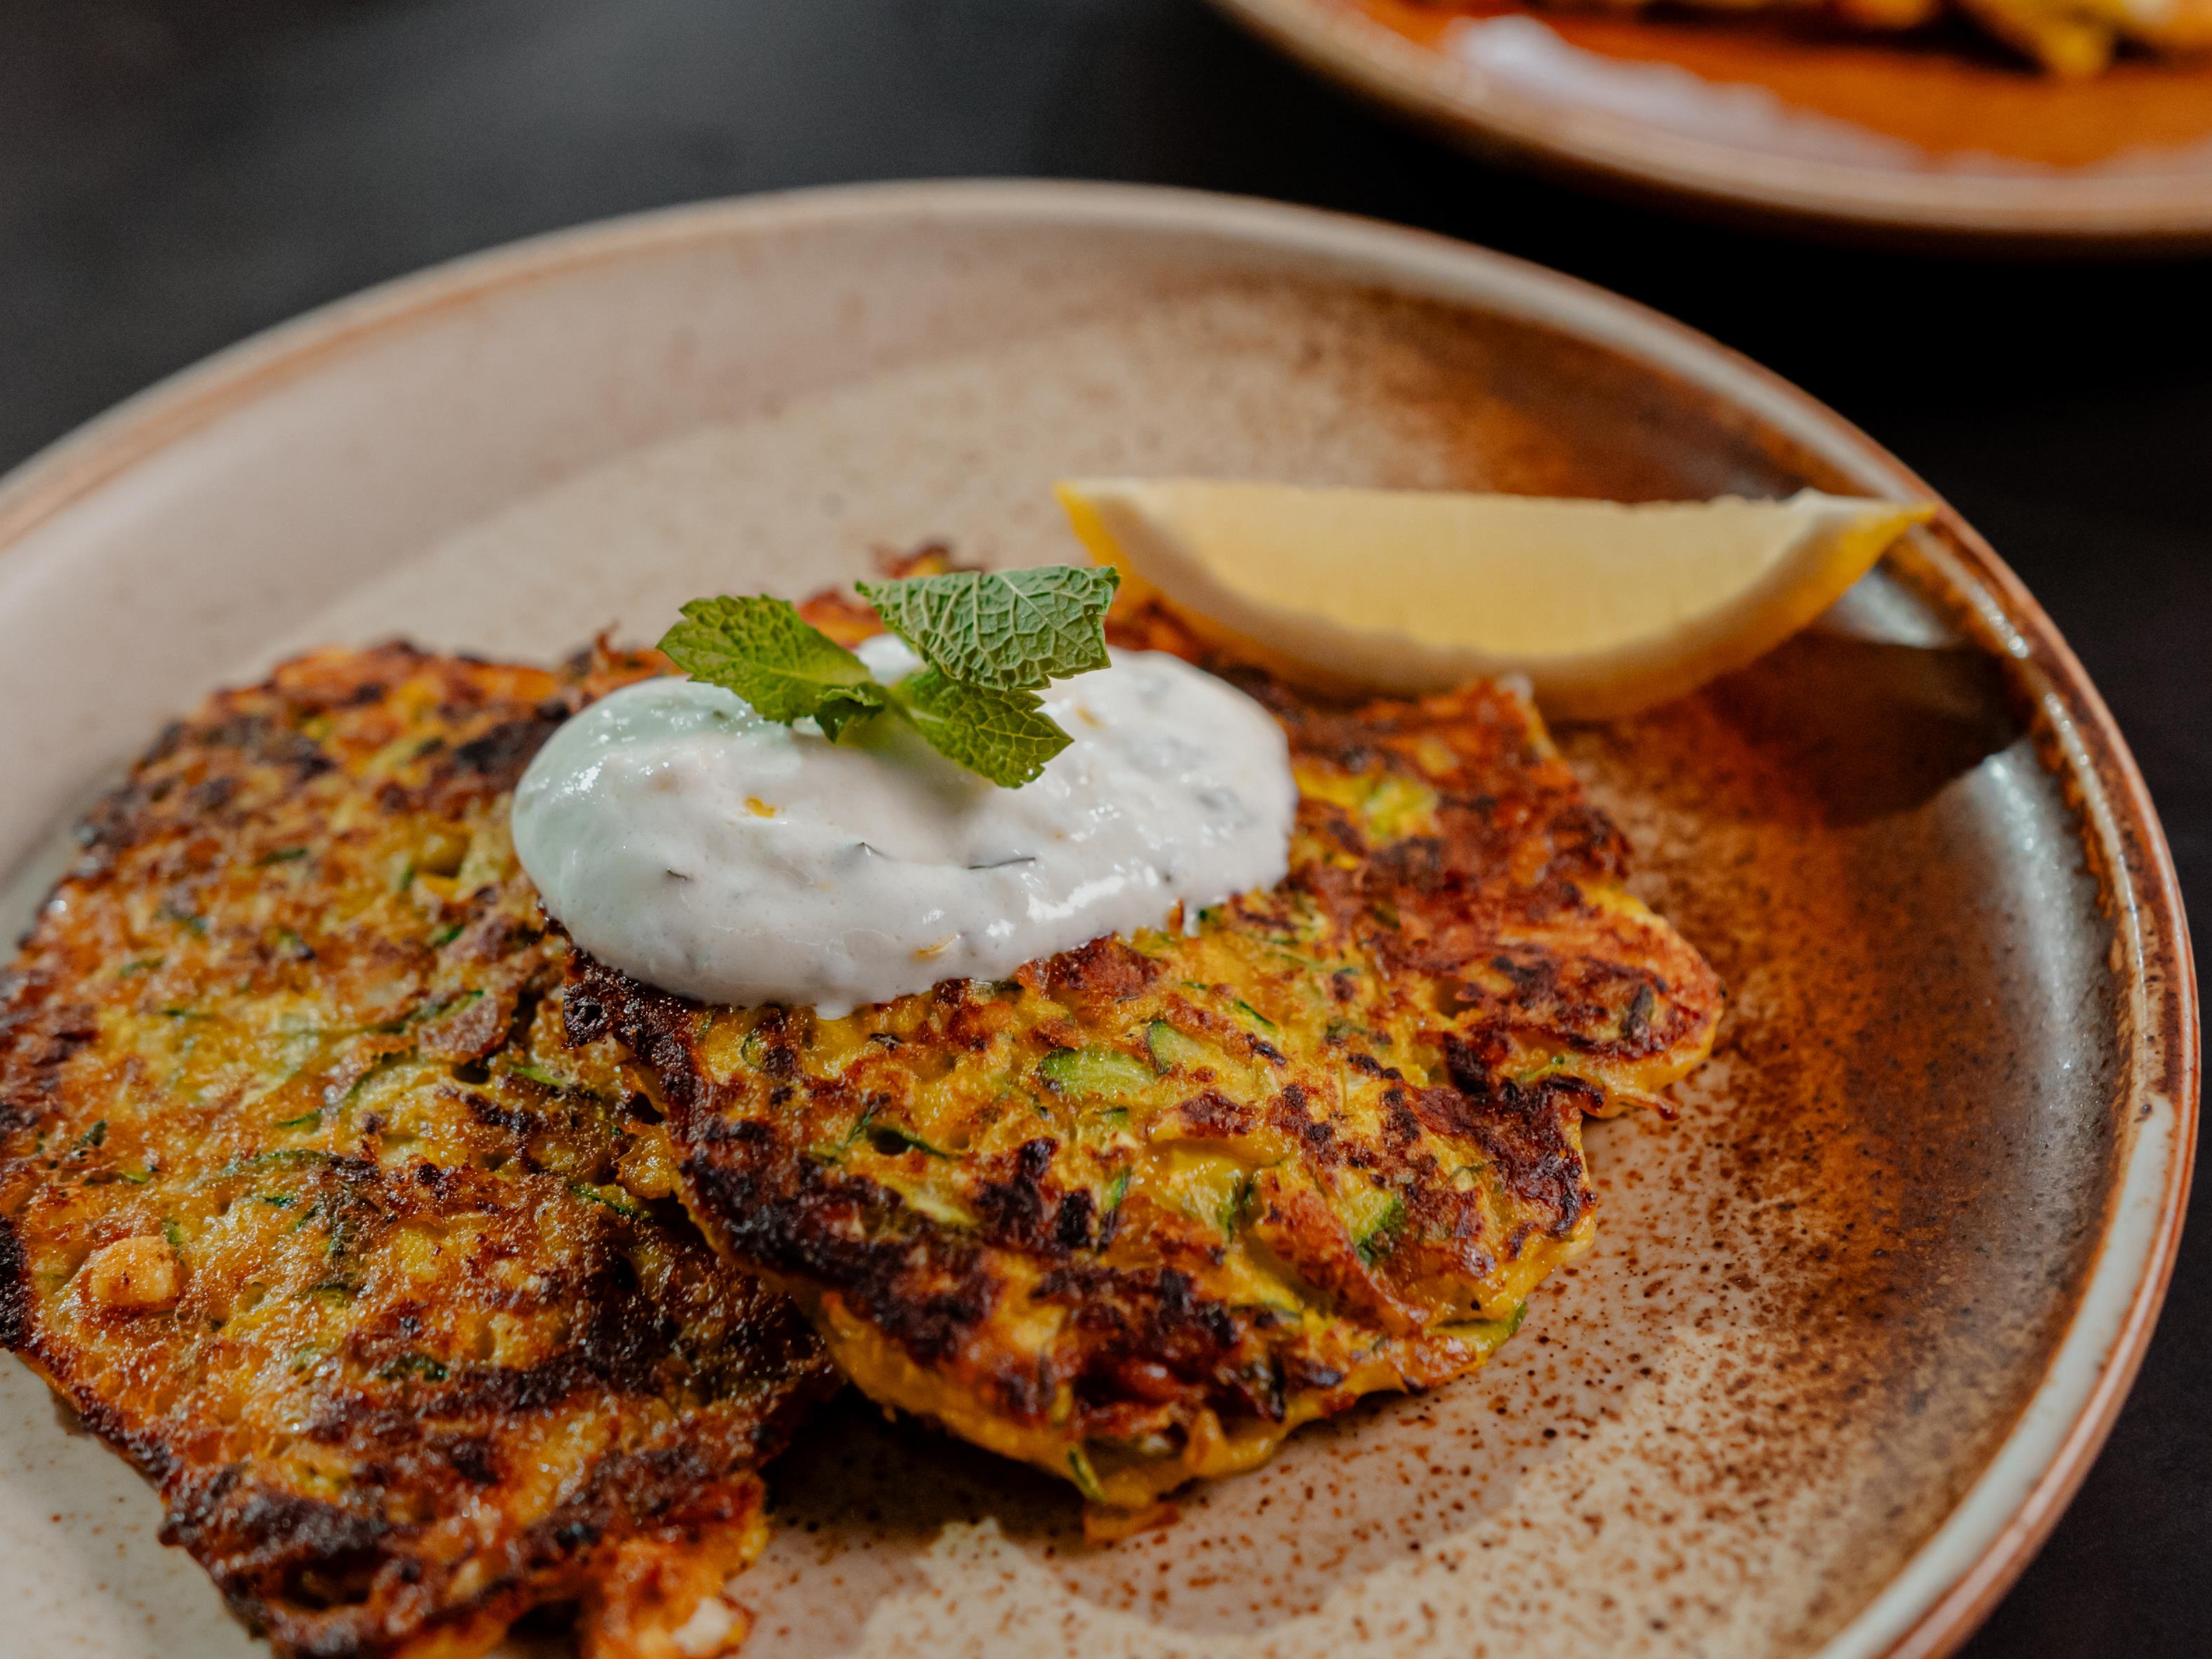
767, 653
1004, 735
991, 640
1015, 630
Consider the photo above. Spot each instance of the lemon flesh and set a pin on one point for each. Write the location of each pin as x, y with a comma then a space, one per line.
1606, 608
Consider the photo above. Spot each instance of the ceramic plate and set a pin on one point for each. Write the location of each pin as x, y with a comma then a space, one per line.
1856, 1321
1932, 140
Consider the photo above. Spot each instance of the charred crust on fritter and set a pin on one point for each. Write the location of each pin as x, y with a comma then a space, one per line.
1526, 1130
1213, 1114
15, 1300
655, 1025
1106, 970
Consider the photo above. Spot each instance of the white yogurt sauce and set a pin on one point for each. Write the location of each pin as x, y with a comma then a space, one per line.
682, 838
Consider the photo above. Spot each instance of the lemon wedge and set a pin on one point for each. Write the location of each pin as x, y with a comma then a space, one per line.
1606, 608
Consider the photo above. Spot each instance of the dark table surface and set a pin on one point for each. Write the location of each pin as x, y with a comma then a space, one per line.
177, 173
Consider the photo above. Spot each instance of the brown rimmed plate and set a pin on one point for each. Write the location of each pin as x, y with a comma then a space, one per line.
1857, 1321
1926, 139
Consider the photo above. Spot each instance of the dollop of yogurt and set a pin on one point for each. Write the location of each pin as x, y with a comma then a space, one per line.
682, 838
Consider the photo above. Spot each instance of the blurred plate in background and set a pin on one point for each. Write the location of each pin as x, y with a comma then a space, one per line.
1936, 140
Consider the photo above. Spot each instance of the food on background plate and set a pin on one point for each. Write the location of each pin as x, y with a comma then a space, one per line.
1605, 608
2065, 37
310, 1213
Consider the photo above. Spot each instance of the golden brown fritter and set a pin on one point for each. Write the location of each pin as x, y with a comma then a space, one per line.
306, 1208
1136, 1213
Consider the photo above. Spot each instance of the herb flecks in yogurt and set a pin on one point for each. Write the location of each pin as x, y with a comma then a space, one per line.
681, 835
988, 640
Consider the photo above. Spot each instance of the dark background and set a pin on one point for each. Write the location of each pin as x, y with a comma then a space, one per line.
177, 173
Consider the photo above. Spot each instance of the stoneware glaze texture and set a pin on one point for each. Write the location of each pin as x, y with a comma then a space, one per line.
1855, 1321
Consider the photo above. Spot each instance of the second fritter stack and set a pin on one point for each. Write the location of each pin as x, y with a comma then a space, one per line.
1137, 1212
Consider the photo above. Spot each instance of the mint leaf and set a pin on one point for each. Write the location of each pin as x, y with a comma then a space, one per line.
763, 650
1009, 630
1003, 735
991, 640
843, 704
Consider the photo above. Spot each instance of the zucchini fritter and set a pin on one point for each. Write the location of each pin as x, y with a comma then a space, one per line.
306, 1208
1136, 1213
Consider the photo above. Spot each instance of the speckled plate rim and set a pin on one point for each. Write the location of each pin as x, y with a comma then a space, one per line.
1951, 1580
2050, 213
